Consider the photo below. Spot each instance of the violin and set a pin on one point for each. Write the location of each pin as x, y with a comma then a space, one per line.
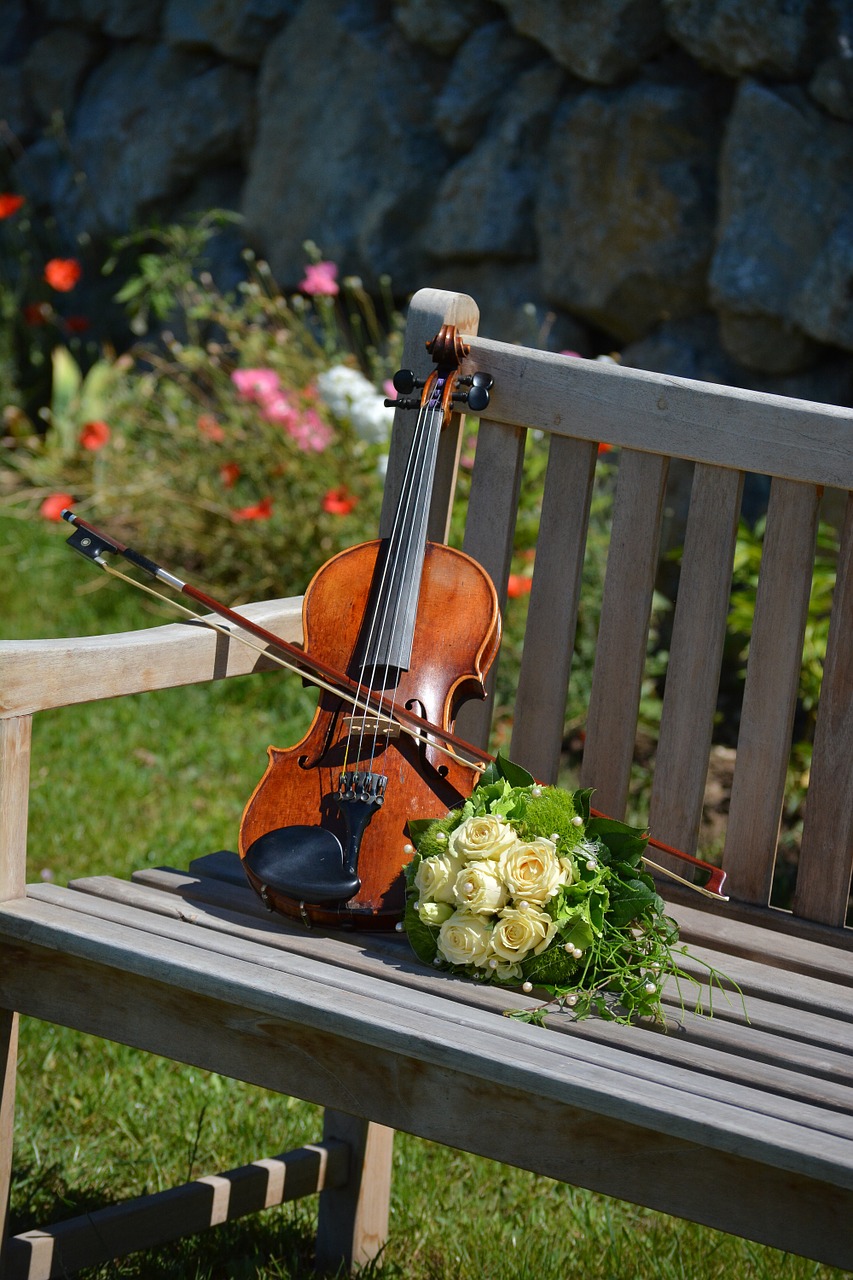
415, 625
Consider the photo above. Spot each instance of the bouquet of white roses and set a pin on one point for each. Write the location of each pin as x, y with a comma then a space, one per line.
522, 887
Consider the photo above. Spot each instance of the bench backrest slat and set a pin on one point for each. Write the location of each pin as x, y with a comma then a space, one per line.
696, 649
770, 692
553, 609
826, 854
626, 607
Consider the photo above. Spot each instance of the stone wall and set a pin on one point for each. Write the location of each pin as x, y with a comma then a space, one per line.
672, 178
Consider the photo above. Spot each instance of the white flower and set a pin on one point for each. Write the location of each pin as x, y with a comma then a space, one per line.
485, 837
518, 933
479, 888
532, 870
435, 877
350, 395
434, 912
464, 939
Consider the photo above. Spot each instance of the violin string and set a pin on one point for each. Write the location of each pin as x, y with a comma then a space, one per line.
377, 621
416, 734
408, 581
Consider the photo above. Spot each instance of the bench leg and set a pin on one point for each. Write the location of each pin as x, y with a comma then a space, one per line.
8, 1065
353, 1223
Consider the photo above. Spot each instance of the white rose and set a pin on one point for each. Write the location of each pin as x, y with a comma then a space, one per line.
485, 837
464, 939
479, 888
434, 912
435, 877
532, 870
518, 933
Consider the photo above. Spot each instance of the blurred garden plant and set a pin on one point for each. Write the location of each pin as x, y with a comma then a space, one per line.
243, 438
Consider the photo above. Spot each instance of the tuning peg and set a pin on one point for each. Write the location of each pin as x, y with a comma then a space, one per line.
484, 380
478, 398
405, 381
402, 402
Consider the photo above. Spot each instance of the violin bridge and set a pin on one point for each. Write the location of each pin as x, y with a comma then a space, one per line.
370, 723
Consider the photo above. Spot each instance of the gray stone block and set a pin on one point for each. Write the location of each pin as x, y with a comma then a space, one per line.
625, 210
786, 215
148, 122
345, 153
238, 29
477, 82
603, 42
738, 37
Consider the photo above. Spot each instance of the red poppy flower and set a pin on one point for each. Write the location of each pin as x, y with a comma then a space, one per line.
78, 324
9, 204
261, 511
54, 505
37, 313
339, 502
94, 435
229, 474
605, 448
518, 585
62, 273
210, 428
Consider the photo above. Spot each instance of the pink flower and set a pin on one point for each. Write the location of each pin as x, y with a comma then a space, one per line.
310, 432
54, 505
256, 384
321, 278
277, 408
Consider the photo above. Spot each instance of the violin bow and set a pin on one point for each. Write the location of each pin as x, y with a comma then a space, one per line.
92, 543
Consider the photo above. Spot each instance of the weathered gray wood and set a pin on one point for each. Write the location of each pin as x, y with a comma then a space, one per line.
15, 747
489, 533
366, 1007
626, 606
148, 1221
826, 853
658, 413
772, 685
39, 674
696, 649
426, 1081
553, 611
353, 1221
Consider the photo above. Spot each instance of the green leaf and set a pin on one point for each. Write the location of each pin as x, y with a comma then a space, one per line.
629, 900
422, 938
417, 827
515, 774
581, 801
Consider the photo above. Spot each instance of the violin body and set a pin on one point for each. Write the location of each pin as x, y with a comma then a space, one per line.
455, 639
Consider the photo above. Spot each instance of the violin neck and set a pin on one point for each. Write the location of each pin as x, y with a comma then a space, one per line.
392, 625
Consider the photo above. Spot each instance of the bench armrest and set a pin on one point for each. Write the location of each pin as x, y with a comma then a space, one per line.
39, 674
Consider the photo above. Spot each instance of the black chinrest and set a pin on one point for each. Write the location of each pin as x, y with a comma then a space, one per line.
304, 863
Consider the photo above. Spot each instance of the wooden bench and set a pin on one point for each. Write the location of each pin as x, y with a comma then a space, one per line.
744, 1126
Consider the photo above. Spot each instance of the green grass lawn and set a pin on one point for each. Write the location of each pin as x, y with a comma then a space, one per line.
161, 778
